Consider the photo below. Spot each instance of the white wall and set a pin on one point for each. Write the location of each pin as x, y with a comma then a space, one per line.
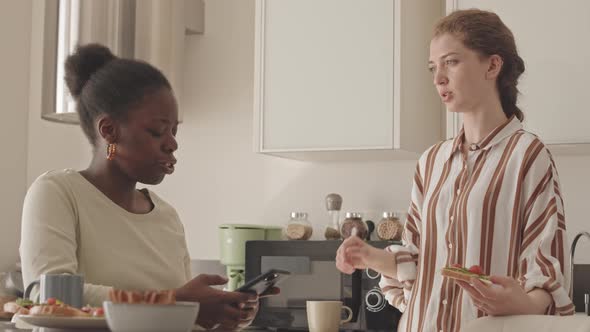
15, 31
219, 179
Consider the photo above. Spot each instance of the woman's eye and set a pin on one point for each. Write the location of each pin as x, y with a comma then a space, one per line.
154, 133
431, 69
451, 62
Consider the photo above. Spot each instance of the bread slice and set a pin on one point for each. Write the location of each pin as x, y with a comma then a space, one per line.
11, 307
464, 274
61, 310
145, 297
15, 307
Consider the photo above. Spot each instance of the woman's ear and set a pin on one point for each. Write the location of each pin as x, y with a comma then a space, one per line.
494, 67
107, 128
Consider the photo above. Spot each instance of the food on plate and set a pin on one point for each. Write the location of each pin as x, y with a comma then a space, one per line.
3, 300
51, 307
62, 310
54, 307
459, 272
93, 311
145, 297
20, 306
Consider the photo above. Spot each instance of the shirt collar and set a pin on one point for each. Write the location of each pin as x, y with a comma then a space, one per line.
497, 135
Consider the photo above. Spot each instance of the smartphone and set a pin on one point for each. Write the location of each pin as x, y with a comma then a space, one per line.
264, 281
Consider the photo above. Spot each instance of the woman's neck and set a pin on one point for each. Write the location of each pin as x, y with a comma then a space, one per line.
479, 123
112, 182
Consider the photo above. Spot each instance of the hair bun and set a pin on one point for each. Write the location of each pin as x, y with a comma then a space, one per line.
85, 61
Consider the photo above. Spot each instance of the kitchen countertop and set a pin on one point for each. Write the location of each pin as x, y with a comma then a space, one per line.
530, 323
580, 321
7, 326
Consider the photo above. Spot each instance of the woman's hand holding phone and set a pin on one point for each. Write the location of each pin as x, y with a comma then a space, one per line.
264, 284
217, 307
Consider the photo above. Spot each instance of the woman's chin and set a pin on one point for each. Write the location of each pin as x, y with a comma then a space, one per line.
152, 179
456, 108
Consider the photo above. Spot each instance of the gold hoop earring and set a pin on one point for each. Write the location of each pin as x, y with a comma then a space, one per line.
111, 150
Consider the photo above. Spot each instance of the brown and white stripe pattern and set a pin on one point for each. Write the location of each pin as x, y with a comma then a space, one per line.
499, 207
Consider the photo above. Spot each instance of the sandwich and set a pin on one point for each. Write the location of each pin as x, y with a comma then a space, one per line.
458, 272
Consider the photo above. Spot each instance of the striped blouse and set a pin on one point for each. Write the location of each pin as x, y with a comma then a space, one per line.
498, 206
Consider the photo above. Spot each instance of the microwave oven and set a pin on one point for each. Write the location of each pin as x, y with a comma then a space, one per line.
314, 276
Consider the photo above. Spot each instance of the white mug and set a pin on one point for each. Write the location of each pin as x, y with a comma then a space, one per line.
324, 316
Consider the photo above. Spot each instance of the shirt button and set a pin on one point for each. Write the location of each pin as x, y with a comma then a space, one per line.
444, 302
458, 191
452, 218
450, 246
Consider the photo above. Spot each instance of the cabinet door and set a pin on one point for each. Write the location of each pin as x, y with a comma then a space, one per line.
552, 38
324, 74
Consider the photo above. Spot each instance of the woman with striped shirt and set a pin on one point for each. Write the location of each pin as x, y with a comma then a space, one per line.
489, 197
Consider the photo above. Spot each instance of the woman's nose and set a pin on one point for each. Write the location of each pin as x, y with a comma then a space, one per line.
171, 145
440, 78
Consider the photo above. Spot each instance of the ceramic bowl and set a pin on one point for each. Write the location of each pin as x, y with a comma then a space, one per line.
126, 317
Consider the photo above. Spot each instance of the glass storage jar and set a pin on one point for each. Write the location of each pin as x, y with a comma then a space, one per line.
298, 227
389, 227
352, 221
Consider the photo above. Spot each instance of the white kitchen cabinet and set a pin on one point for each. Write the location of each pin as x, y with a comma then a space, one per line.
552, 38
340, 75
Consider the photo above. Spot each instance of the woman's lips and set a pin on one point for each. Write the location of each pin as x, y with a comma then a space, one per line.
168, 167
446, 96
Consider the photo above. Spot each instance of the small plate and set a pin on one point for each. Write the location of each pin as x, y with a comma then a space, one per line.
65, 322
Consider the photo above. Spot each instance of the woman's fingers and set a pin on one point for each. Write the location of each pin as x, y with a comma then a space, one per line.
247, 314
352, 240
486, 290
231, 315
235, 297
504, 296
342, 262
270, 292
351, 254
238, 317
248, 305
354, 253
342, 265
482, 295
483, 307
345, 267
474, 293
504, 281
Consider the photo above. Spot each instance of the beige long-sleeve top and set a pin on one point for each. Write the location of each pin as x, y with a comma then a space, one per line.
69, 226
498, 207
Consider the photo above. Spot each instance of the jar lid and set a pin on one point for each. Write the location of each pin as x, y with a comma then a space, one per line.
333, 202
353, 215
298, 215
389, 215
